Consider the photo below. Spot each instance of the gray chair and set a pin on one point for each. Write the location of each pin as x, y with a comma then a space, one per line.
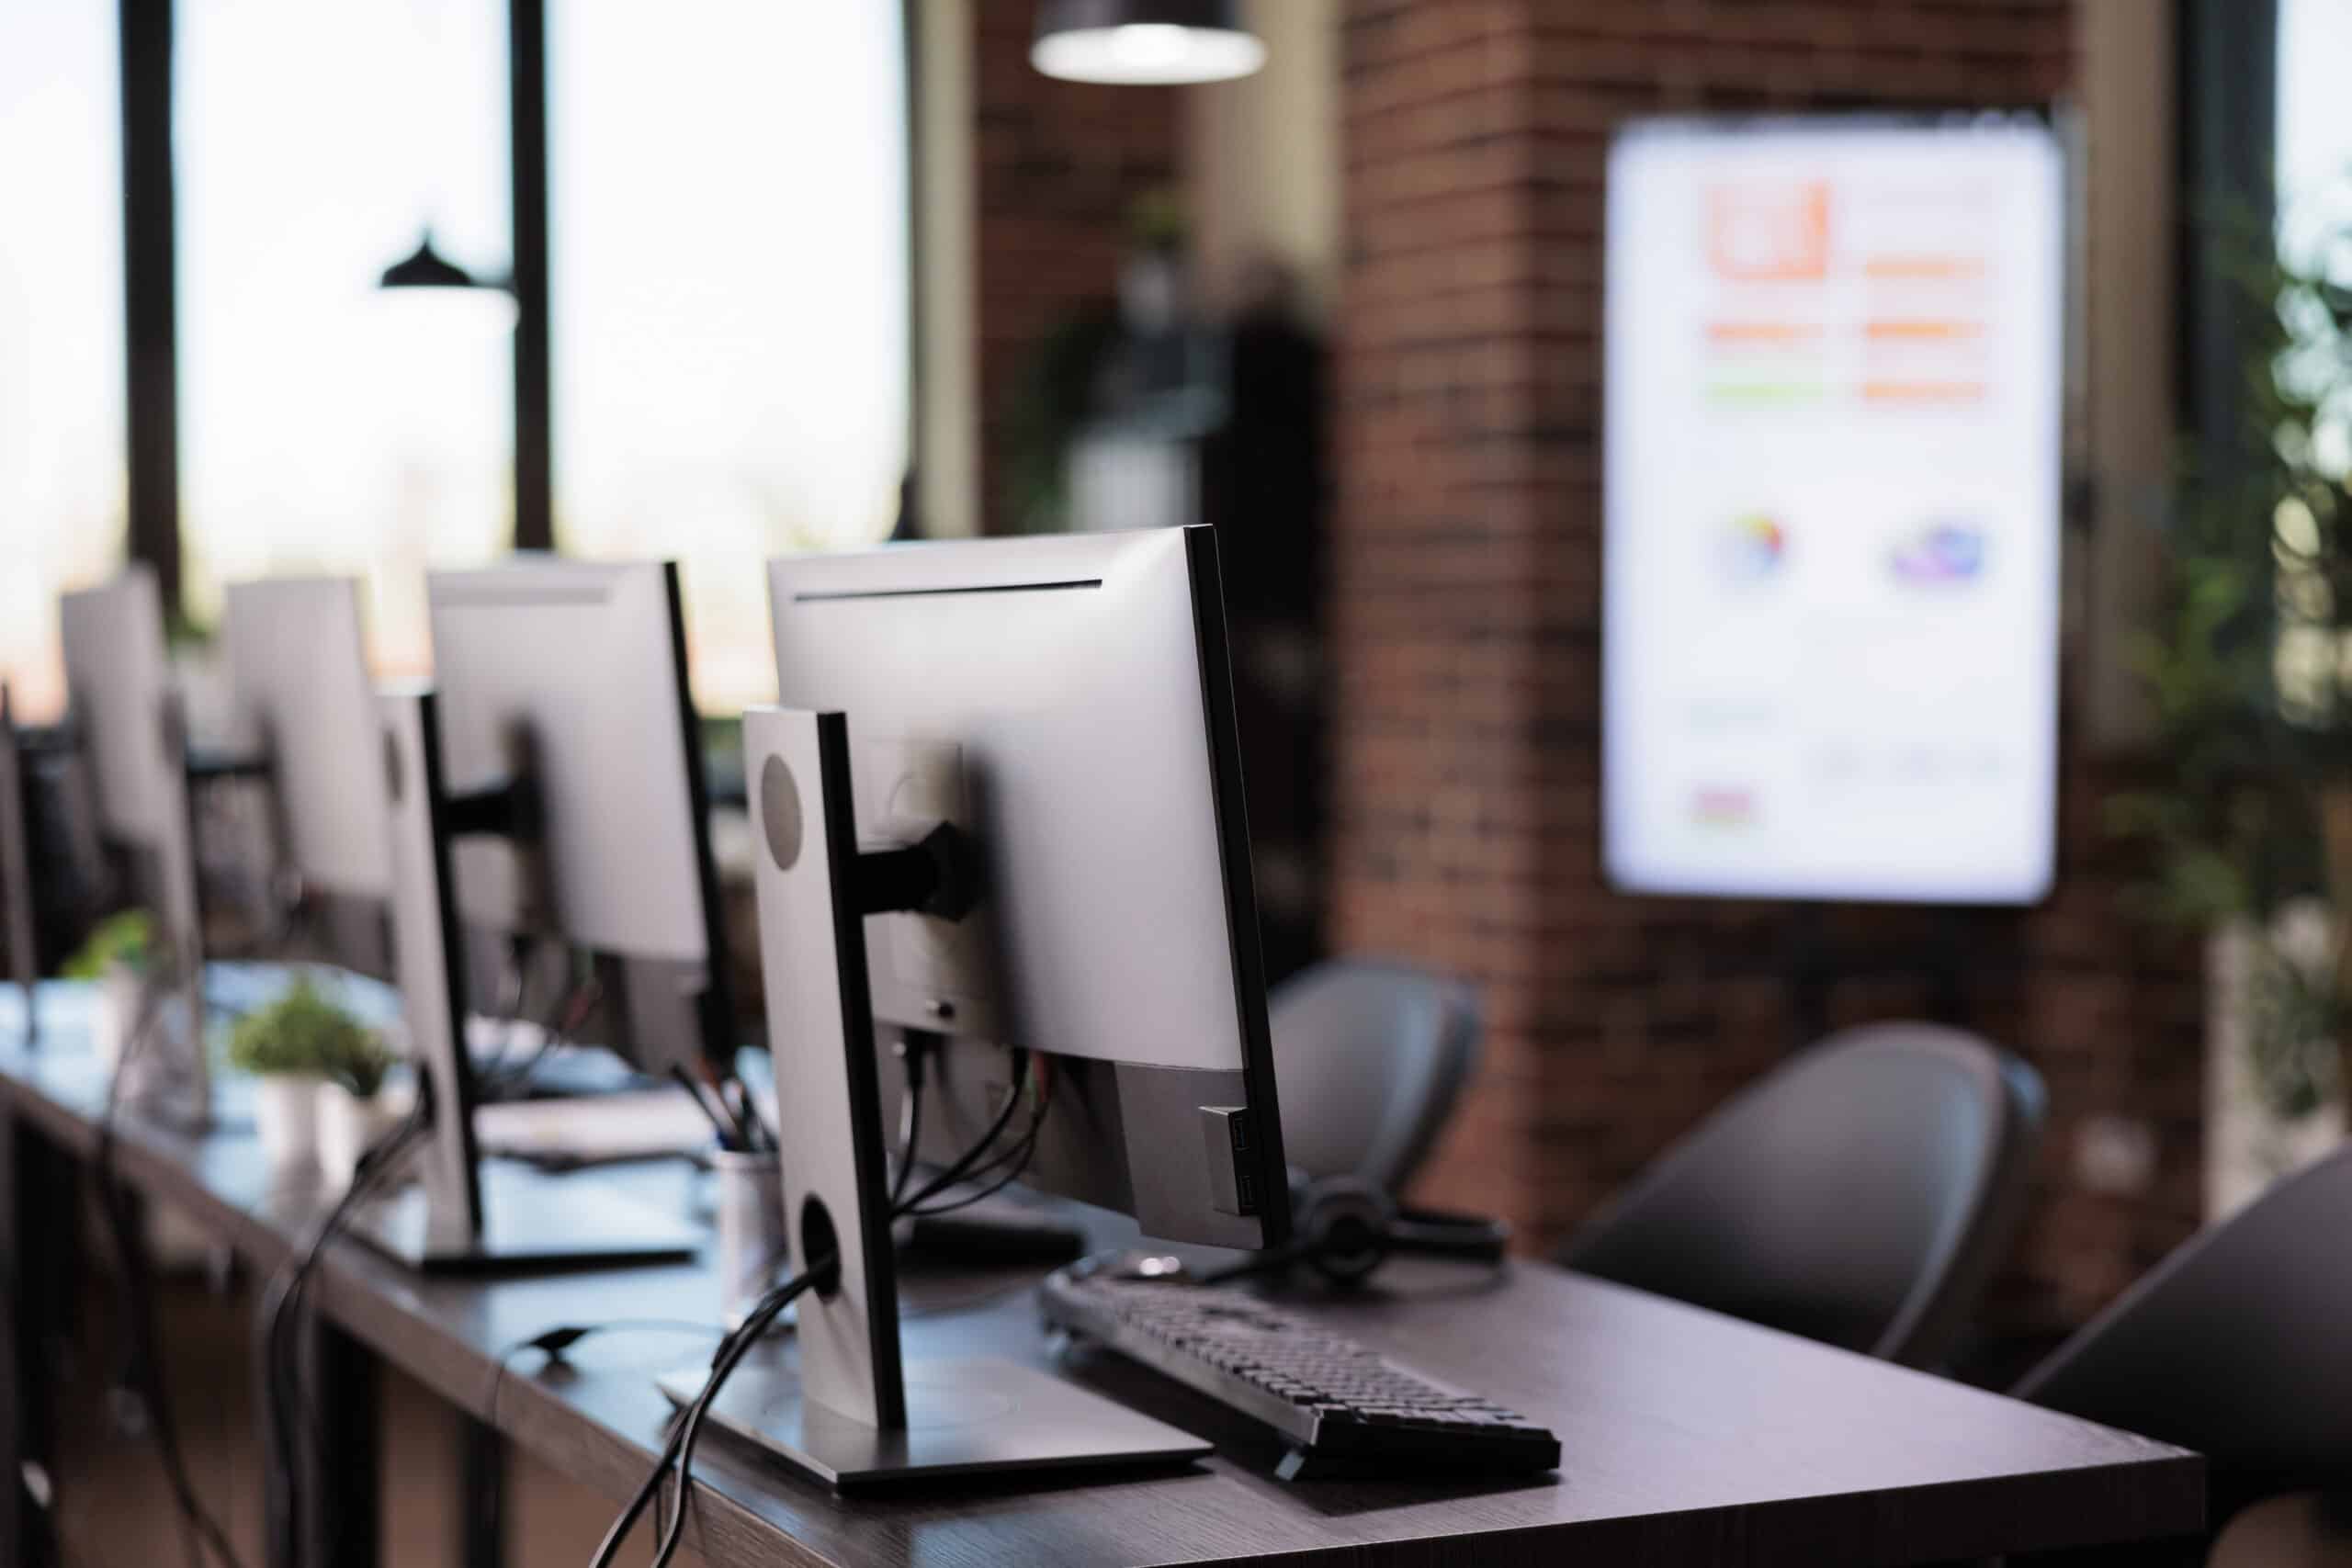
2239, 1344
1370, 1057
1861, 1194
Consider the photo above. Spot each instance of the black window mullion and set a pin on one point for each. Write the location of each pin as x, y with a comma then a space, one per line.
150, 294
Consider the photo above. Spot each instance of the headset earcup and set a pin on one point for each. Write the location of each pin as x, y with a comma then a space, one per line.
1346, 1224
1429, 1233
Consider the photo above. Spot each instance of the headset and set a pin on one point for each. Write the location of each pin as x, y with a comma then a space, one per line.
1344, 1227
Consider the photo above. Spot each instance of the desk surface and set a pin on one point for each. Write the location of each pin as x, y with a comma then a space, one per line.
1688, 1437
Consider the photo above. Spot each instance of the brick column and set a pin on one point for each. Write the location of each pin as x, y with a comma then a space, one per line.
1466, 550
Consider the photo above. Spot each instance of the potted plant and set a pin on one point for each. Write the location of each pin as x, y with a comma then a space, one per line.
116, 960
354, 1109
289, 1046
2249, 670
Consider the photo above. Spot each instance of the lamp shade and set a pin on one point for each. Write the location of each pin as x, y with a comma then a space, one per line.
1153, 42
425, 273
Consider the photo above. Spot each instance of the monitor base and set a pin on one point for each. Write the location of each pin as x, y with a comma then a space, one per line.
965, 1417
528, 1217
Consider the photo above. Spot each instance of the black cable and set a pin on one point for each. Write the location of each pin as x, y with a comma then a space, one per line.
1301, 1251
553, 1343
754, 1325
132, 1376
1021, 1154
290, 1291
289, 1409
144, 1369
1013, 1162
518, 962
498, 1080
962, 1164
679, 1450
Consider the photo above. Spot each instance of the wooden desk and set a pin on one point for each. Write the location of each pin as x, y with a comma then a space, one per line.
1689, 1437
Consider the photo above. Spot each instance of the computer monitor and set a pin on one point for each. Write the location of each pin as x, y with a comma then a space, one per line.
127, 716
1065, 703
548, 785
297, 666
563, 684
1034, 737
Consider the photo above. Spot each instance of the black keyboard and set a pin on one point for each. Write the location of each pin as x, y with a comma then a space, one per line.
1345, 1409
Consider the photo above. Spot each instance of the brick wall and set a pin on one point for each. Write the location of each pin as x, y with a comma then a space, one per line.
1467, 596
1059, 166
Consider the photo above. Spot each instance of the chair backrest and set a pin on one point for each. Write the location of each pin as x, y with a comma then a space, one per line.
2238, 1344
1861, 1194
1371, 1056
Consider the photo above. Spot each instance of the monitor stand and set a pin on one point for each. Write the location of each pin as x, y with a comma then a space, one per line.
171, 1080
853, 1416
158, 1081
463, 1213
15, 865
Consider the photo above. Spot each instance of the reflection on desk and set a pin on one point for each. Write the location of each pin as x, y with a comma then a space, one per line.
603, 1128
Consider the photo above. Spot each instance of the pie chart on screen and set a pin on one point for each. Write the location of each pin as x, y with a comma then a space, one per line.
1754, 547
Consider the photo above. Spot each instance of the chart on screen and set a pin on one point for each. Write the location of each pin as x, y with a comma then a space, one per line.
1834, 398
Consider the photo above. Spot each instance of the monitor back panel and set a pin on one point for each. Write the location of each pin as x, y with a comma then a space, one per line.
1047, 695
298, 661
573, 670
118, 680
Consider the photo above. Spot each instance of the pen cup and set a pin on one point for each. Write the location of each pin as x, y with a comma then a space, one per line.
752, 1241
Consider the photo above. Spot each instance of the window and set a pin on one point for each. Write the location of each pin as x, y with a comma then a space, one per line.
62, 442
2313, 441
729, 306
2315, 127
326, 425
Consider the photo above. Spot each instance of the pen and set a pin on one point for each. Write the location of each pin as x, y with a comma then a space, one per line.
738, 1096
730, 1136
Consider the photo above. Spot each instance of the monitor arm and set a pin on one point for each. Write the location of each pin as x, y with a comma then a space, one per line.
221, 767
512, 809
938, 875
507, 808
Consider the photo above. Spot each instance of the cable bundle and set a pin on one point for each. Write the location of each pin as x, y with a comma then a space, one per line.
976, 1164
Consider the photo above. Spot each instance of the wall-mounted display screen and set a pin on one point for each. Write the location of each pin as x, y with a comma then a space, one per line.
1833, 403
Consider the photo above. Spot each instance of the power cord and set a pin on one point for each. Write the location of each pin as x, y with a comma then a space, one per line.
677, 1454
679, 1451
553, 1343
200, 1532
290, 1410
1013, 1163
964, 1164
497, 1079
501, 1074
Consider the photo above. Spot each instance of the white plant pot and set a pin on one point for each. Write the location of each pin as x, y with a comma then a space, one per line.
114, 1013
348, 1127
286, 1115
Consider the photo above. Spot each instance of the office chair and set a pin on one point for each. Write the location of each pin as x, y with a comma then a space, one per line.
1860, 1195
2235, 1346
1371, 1056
